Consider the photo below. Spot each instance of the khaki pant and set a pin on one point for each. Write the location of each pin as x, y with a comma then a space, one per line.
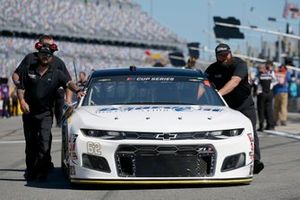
280, 107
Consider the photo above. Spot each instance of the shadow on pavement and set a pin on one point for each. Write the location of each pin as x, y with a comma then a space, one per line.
56, 180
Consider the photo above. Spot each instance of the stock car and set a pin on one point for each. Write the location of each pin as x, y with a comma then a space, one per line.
165, 125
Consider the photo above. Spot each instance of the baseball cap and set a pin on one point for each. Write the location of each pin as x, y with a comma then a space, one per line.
222, 49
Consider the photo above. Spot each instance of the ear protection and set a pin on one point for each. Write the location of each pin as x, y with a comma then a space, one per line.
40, 45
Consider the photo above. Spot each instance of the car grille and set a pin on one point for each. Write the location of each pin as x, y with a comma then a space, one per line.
164, 136
165, 161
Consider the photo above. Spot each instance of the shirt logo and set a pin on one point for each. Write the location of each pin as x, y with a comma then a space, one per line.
32, 76
218, 75
222, 49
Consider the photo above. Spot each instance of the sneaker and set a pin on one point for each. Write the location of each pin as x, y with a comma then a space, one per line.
258, 166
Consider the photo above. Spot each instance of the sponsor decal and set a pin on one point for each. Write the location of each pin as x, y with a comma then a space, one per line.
251, 153
222, 49
72, 170
251, 169
146, 78
72, 147
205, 150
157, 108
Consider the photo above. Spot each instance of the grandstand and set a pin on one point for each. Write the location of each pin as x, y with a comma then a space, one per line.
91, 34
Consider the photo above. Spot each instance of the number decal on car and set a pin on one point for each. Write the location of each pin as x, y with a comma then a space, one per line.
94, 148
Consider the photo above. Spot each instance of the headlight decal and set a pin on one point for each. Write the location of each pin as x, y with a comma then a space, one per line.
222, 134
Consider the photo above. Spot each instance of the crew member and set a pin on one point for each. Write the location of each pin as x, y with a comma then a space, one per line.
37, 86
230, 76
82, 80
191, 63
56, 62
32, 58
264, 82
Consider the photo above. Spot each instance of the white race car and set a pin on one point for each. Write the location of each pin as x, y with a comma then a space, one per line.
155, 126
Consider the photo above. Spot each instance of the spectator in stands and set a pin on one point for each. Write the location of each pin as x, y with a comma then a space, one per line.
122, 19
280, 91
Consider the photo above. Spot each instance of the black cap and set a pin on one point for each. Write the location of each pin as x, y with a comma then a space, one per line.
222, 49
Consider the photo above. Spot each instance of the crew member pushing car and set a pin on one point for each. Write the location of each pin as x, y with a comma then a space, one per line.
230, 76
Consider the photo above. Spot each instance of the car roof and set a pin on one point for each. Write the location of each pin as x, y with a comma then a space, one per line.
132, 70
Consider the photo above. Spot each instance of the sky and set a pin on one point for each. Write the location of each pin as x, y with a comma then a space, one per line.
193, 19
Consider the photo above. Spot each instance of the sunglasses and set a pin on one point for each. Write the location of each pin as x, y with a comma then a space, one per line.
42, 54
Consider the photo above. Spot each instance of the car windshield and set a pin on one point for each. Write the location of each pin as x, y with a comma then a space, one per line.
156, 90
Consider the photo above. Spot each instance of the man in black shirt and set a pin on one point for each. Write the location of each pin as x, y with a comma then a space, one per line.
56, 62
32, 58
230, 76
37, 86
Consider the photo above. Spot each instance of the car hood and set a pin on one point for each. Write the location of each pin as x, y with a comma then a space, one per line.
153, 118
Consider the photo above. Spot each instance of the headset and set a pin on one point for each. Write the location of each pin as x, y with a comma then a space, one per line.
39, 45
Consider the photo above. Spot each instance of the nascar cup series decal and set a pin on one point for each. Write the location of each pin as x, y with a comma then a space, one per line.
156, 108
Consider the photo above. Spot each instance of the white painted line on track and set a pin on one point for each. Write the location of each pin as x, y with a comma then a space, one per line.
21, 141
283, 134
